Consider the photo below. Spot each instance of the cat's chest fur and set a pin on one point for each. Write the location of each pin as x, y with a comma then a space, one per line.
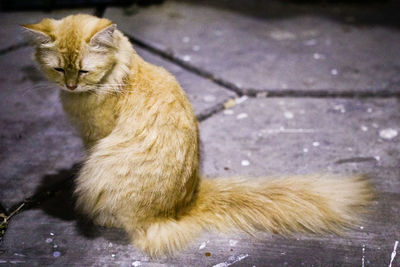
94, 116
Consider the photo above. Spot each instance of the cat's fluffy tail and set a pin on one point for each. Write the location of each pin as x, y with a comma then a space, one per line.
284, 206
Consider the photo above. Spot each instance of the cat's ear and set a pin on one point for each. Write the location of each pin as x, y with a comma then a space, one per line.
104, 37
37, 36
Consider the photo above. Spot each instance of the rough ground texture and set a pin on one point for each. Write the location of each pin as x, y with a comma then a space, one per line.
317, 90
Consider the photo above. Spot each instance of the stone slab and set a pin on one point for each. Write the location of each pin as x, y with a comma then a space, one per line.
11, 32
341, 135
273, 136
52, 235
36, 137
277, 46
204, 95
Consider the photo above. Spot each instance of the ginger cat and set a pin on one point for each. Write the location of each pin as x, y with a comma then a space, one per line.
142, 140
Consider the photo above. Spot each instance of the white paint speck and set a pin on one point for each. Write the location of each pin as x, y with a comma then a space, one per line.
241, 116
49, 240
228, 112
52, 234
56, 254
113, 255
340, 108
364, 128
195, 48
361, 227
334, 72
305, 150
241, 99
378, 158
318, 56
187, 58
110, 245
369, 110
186, 39
315, 144
55, 246
233, 243
310, 42
282, 35
232, 260
393, 253
288, 115
136, 263
363, 256
245, 162
209, 98
388, 133
203, 245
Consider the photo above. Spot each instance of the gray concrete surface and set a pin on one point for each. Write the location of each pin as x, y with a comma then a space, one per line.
244, 45
273, 46
10, 31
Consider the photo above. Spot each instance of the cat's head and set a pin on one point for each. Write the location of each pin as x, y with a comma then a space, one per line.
76, 52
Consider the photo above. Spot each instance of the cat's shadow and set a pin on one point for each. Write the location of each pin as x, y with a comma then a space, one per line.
55, 197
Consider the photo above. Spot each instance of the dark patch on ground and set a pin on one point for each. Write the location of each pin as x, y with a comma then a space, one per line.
31, 74
356, 160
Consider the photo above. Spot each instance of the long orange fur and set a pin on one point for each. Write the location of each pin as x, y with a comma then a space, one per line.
142, 140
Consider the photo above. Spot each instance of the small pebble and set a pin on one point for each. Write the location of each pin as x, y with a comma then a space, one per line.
241, 99
209, 98
315, 144
334, 72
233, 243
388, 133
136, 263
56, 254
364, 128
186, 58
241, 116
369, 110
318, 56
361, 227
288, 115
230, 103
51, 234
245, 163
228, 112
113, 255
186, 39
49, 240
305, 150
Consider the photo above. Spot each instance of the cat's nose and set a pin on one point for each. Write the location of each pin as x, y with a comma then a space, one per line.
71, 86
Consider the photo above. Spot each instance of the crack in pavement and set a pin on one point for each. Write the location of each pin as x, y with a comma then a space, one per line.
251, 92
13, 47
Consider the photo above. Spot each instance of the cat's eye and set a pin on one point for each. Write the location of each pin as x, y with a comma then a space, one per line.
83, 71
59, 69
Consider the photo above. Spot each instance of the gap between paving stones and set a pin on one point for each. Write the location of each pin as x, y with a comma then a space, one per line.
326, 93
41, 196
13, 47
